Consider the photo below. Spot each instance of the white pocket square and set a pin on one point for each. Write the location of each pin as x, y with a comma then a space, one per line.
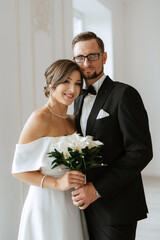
102, 114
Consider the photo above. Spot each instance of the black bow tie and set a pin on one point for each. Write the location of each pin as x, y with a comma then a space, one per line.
90, 90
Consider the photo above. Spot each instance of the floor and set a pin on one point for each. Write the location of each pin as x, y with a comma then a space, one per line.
149, 229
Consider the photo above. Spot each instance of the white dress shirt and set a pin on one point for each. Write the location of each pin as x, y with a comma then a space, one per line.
88, 104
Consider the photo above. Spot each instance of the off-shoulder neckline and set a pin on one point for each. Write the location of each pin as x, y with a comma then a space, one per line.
45, 137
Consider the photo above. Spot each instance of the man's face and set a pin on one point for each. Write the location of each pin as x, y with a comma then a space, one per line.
91, 70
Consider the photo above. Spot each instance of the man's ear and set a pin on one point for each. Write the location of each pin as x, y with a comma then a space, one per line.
104, 57
73, 59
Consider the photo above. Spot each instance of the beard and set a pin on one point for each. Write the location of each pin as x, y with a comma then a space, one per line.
93, 75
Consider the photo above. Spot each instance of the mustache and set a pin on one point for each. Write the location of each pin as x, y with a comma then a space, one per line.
88, 67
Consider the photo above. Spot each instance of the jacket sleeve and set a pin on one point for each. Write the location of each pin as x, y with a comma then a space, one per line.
134, 127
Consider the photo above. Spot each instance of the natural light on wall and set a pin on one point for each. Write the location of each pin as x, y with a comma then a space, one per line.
77, 22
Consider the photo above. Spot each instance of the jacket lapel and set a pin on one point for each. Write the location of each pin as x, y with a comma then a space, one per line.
103, 93
77, 112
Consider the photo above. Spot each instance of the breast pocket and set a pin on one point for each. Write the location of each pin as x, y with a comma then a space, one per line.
103, 126
105, 129
105, 120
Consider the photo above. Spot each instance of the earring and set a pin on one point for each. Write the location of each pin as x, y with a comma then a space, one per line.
51, 98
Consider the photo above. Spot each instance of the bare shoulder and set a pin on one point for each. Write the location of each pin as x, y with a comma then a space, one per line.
35, 127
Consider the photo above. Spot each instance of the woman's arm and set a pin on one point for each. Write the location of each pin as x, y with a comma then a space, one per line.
35, 128
71, 179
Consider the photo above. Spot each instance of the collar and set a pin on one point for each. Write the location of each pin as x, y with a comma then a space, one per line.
97, 84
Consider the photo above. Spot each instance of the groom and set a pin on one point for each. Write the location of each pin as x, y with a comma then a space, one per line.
113, 113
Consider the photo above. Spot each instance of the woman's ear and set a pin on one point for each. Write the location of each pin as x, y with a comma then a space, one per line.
50, 86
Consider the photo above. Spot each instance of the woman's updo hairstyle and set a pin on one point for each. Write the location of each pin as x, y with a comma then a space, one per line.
58, 72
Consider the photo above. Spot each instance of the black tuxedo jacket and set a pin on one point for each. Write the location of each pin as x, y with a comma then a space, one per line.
127, 150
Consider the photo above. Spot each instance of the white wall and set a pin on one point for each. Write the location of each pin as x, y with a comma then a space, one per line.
136, 38
142, 63
10, 120
116, 10
33, 34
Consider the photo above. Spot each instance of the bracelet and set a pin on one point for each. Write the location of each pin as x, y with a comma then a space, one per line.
41, 185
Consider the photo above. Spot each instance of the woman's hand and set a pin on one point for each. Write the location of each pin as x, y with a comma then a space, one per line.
71, 179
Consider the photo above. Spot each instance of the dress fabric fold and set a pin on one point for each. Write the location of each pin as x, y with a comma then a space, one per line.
47, 214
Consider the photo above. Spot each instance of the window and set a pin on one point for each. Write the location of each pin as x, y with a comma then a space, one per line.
77, 22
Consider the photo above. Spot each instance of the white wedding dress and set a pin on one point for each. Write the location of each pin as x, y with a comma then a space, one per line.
47, 214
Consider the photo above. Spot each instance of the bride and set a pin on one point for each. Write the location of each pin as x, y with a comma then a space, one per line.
48, 211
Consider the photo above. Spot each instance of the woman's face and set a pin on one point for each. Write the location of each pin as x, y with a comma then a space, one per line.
67, 91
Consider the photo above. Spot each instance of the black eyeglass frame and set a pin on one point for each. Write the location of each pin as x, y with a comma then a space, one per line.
87, 56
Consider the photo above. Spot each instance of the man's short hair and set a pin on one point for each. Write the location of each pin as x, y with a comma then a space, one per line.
84, 36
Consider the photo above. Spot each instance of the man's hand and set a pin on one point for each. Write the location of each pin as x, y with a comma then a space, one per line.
84, 196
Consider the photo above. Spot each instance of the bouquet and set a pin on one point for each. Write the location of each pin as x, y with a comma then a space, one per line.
75, 152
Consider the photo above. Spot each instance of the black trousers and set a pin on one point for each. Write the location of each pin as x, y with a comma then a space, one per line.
113, 232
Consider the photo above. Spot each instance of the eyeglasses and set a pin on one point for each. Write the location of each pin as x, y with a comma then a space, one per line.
90, 57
